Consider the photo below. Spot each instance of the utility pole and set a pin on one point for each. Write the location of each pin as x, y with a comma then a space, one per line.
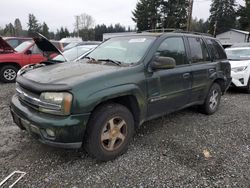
215, 28
77, 24
190, 13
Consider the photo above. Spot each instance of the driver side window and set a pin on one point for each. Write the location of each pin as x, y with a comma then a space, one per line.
173, 47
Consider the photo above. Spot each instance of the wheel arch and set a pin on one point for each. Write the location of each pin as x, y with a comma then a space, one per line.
2, 64
129, 101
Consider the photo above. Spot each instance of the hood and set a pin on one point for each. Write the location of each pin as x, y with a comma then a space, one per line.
46, 46
242, 63
5, 47
67, 73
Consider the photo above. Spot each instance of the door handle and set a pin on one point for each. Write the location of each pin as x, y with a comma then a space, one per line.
186, 75
211, 71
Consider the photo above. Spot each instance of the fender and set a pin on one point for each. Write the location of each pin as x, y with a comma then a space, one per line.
110, 93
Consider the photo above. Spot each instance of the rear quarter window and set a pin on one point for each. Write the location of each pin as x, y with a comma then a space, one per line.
216, 49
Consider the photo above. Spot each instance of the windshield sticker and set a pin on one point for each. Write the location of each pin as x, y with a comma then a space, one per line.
137, 40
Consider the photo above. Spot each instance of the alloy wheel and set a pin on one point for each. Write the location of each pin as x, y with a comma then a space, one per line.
9, 74
214, 99
114, 134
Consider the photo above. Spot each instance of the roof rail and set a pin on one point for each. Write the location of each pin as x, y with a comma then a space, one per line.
193, 32
161, 30
175, 30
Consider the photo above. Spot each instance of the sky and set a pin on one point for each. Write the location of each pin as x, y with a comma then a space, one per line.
57, 13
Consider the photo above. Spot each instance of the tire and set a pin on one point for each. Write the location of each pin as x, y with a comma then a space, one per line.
109, 131
212, 100
8, 73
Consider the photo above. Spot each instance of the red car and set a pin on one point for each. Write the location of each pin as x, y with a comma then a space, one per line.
11, 60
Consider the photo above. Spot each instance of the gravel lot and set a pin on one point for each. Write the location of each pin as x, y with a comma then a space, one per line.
166, 152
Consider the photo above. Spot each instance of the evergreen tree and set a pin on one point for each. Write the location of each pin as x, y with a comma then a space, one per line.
244, 16
99, 30
223, 16
18, 27
45, 30
146, 14
9, 30
33, 25
174, 13
199, 25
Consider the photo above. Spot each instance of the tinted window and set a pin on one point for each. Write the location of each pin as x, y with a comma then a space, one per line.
173, 47
216, 49
198, 50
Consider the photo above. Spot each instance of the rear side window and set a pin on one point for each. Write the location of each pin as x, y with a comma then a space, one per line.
216, 50
173, 47
198, 50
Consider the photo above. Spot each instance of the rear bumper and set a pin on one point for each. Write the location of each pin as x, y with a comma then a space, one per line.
68, 130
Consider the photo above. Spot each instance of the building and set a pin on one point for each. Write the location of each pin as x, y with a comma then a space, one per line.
233, 36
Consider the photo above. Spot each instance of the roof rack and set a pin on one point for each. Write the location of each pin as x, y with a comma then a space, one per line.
174, 30
193, 32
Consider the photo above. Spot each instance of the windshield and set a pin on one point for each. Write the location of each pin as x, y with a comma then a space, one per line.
23, 46
238, 54
72, 53
123, 49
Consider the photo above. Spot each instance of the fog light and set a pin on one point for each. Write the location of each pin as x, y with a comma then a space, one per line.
241, 80
50, 133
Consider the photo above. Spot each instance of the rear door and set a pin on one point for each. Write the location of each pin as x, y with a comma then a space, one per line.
202, 67
169, 89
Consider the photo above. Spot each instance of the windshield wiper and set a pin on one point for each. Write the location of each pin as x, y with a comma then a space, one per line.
111, 61
90, 58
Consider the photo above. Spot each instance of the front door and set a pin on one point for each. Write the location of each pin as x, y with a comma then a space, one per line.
169, 89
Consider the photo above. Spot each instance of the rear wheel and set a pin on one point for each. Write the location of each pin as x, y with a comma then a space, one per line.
8, 73
212, 101
109, 131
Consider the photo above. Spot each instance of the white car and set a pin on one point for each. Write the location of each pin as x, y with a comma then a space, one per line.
239, 58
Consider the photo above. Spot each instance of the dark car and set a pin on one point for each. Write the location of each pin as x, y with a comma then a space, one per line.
100, 101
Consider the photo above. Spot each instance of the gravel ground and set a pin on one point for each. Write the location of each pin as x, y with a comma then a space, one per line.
184, 149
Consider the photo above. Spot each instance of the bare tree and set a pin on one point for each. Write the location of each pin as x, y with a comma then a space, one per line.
83, 21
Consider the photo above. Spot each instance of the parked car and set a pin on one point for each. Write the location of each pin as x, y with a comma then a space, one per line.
11, 60
99, 102
74, 53
85, 43
16, 41
239, 58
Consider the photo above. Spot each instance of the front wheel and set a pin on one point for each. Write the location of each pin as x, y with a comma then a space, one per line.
109, 131
8, 73
212, 100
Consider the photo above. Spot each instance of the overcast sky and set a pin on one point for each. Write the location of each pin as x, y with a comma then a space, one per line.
57, 13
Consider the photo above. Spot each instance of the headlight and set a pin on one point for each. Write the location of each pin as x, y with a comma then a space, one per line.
239, 69
56, 103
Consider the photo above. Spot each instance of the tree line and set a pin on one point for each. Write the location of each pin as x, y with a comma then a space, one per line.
224, 15
84, 28
148, 15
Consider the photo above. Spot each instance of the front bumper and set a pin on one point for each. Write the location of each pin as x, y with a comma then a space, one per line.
69, 130
239, 79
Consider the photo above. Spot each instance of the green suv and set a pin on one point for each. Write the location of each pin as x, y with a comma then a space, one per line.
98, 102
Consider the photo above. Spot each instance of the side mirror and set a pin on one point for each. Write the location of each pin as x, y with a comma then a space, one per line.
161, 62
28, 52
